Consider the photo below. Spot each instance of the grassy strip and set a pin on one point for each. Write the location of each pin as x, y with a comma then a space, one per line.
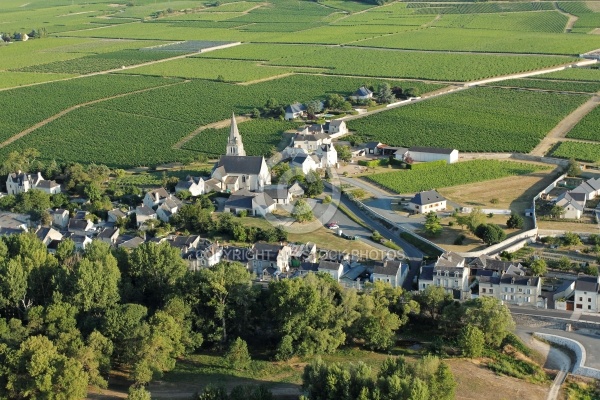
426, 248
353, 216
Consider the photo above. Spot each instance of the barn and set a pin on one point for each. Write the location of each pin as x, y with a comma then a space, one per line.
424, 154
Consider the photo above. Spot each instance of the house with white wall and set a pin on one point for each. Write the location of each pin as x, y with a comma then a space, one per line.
427, 201
449, 272
390, 271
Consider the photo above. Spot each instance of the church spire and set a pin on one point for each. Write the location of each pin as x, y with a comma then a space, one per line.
235, 147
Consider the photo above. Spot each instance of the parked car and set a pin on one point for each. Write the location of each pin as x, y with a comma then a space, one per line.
332, 225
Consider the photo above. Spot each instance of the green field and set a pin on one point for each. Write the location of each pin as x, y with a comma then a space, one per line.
575, 74
259, 136
554, 85
578, 151
477, 119
587, 19
588, 128
229, 70
30, 105
409, 181
545, 21
9, 79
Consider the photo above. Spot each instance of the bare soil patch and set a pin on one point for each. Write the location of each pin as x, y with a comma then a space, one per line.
477, 382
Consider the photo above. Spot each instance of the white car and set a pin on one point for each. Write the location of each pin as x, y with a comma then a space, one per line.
333, 225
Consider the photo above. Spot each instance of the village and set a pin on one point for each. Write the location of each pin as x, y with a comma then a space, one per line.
243, 186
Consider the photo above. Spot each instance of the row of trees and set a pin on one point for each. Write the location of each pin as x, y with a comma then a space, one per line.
77, 316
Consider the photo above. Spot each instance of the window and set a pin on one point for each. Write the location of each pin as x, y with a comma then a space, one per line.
483, 290
589, 307
581, 299
512, 289
528, 299
503, 297
512, 297
456, 282
528, 291
491, 291
438, 282
589, 300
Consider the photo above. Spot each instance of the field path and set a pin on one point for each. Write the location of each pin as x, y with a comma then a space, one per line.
560, 131
268, 78
572, 18
215, 125
75, 107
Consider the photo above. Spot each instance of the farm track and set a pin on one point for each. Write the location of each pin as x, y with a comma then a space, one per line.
215, 125
561, 130
268, 78
570, 22
75, 107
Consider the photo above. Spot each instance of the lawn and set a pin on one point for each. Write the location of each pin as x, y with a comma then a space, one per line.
476, 119
411, 181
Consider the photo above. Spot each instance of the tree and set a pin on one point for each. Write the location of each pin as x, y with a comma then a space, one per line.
563, 263
573, 168
343, 153
314, 184
472, 341
313, 107
154, 271
490, 233
138, 392
515, 222
462, 221
491, 317
432, 301
221, 298
476, 218
384, 94
237, 356
433, 225
255, 113
37, 370
556, 212
538, 267
571, 239
302, 211
194, 218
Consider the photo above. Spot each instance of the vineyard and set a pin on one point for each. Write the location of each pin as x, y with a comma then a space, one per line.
546, 21
578, 151
558, 86
418, 65
575, 74
30, 105
478, 119
412, 181
259, 136
587, 19
227, 70
479, 8
482, 40
10, 79
588, 128
101, 62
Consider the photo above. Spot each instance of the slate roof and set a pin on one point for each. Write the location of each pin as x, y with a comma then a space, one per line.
241, 164
295, 108
245, 199
586, 283
433, 150
277, 192
363, 91
372, 145
426, 273
329, 265
118, 213
233, 253
79, 224
46, 184
161, 192
510, 279
310, 137
108, 233
265, 251
427, 197
309, 267
188, 182
144, 210
335, 123
58, 211
388, 267
131, 242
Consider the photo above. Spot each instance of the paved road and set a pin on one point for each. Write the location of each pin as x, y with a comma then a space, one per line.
556, 314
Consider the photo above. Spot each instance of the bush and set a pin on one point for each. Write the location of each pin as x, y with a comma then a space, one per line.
237, 356
460, 240
381, 162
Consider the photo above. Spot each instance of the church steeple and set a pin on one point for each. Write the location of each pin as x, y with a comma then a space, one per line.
235, 147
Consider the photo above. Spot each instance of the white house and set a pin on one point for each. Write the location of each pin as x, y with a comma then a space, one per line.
296, 190
294, 111
333, 268
115, 214
327, 156
336, 128
155, 197
21, 182
193, 184
425, 154
305, 162
254, 203
80, 226
520, 289
586, 293
170, 207
264, 255
47, 235
60, 218
144, 213
363, 93
427, 201
310, 142
279, 193
109, 235
207, 254
572, 204
449, 272
390, 271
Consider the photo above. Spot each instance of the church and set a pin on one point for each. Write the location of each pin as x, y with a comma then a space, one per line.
236, 171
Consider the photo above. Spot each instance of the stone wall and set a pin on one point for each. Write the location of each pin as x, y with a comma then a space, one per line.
579, 367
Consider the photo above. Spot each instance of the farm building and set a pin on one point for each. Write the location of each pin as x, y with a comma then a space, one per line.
336, 128
295, 110
362, 93
372, 147
424, 154
427, 201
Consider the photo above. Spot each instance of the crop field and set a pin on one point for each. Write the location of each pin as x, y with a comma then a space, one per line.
544, 21
409, 181
478, 119
482, 40
575, 74
588, 128
229, 70
259, 136
554, 85
261, 52
478, 8
10, 79
587, 18
578, 151
418, 65
30, 105
351, 6
203, 102
101, 62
